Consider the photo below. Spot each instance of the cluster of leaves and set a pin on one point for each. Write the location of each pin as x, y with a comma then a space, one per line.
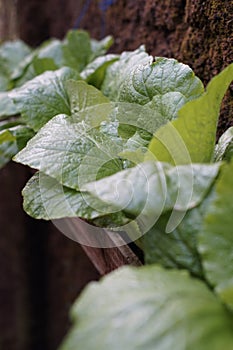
92, 121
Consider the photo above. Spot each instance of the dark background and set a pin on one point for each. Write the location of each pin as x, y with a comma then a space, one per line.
42, 271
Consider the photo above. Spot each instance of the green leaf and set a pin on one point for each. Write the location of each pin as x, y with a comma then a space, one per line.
45, 198
7, 107
191, 138
216, 239
83, 96
177, 249
8, 147
160, 188
149, 308
168, 104
12, 140
12, 53
99, 48
77, 49
37, 67
5, 81
133, 117
63, 145
52, 49
117, 72
224, 147
42, 98
94, 72
165, 75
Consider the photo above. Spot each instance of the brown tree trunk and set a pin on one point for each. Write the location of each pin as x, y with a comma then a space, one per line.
8, 20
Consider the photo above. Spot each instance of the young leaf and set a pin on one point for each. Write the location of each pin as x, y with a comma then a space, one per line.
177, 249
160, 187
149, 308
165, 75
12, 53
168, 104
77, 49
216, 239
37, 67
5, 81
8, 147
43, 97
63, 145
174, 141
12, 140
45, 198
52, 49
82, 96
99, 48
224, 147
7, 107
94, 72
117, 72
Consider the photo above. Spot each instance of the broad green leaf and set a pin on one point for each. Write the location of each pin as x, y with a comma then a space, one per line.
22, 134
82, 96
99, 48
149, 308
70, 152
191, 138
36, 67
22, 67
45, 198
133, 117
159, 188
216, 239
53, 50
7, 107
77, 49
8, 147
50, 51
224, 147
43, 97
165, 75
168, 104
177, 249
12, 140
117, 72
6, 124
12, 53
94, 72
5, 81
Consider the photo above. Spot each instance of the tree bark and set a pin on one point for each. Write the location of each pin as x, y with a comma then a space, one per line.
8, 20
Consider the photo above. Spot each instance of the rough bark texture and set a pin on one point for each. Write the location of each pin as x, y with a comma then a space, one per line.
8, 20
41, 271
196, 32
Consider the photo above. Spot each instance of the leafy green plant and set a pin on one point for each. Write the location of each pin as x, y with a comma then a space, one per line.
127, 142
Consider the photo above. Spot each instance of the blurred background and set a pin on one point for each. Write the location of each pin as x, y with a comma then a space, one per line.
42, 271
